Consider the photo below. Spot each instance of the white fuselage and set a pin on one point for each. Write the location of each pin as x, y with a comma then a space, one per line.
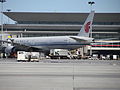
55, 42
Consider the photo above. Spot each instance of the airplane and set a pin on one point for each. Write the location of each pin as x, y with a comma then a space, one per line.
53, 42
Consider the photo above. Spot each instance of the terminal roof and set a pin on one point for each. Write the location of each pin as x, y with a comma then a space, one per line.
62, 17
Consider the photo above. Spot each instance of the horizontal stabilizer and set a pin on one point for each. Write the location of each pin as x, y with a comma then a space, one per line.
80, 39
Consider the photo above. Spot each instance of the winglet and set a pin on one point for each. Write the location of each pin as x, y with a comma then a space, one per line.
87, 27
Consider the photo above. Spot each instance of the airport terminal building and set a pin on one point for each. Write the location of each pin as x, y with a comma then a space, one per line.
31, 24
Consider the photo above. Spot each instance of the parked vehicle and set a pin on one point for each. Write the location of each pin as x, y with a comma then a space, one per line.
28, 56
60, 54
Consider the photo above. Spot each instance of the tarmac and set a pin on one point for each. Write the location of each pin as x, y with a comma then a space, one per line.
60, 75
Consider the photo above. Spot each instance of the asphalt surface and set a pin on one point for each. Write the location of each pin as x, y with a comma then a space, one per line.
60, 75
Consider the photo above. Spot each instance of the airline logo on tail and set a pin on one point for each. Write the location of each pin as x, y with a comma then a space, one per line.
87, 27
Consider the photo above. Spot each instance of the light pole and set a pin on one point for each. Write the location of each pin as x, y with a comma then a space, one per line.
8, 11
91, 3
2, 1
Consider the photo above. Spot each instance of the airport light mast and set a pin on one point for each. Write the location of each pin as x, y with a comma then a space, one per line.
91, 3
8, 17
2, 1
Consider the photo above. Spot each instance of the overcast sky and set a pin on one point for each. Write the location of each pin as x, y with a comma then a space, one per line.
61, 5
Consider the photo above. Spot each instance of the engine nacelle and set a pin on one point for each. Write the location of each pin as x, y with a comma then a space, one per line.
2, 49
9, 49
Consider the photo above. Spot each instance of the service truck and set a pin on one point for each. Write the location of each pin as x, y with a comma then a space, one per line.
59, 54
28, 56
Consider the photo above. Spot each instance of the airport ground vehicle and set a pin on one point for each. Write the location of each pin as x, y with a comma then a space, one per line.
60, 54
28, 56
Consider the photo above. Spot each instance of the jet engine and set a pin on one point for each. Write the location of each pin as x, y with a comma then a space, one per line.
9, 49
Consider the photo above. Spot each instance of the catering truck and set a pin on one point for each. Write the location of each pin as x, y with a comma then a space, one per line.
28, 56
